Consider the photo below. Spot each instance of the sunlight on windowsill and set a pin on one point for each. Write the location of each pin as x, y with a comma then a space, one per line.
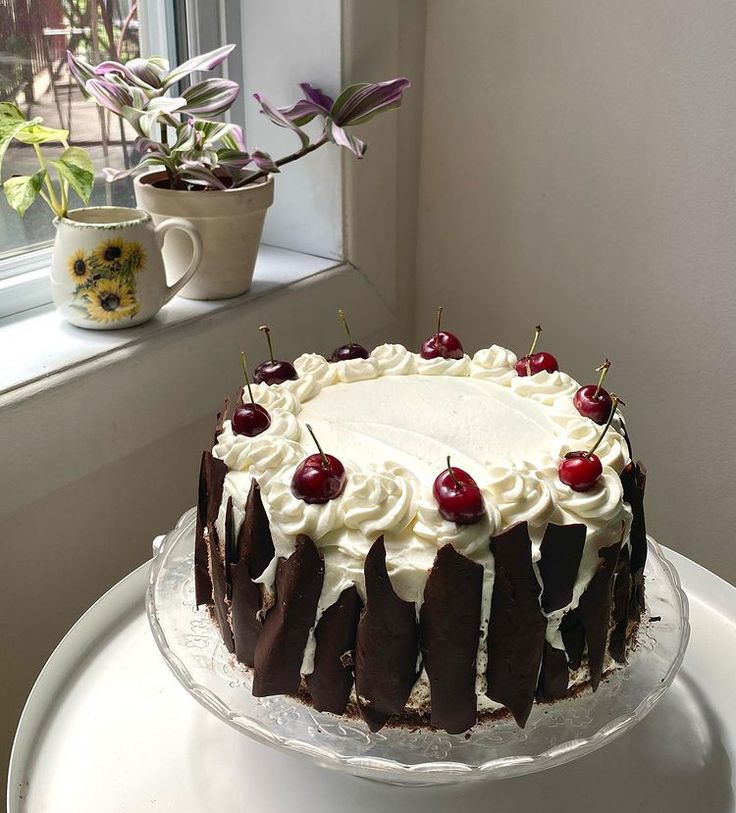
38, 343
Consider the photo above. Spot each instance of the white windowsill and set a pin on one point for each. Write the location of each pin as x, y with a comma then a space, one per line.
38, 343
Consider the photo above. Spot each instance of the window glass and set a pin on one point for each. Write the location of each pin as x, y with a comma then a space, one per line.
34, 38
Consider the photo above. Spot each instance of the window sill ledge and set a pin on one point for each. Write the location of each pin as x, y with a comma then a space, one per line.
43, 344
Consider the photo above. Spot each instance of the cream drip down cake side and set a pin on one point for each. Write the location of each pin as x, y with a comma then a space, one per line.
422, 538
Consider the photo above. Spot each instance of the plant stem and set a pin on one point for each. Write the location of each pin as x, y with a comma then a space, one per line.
289, 158
56, 207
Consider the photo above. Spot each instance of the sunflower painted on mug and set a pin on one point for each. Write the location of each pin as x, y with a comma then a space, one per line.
105, 279
110, 300
79, 267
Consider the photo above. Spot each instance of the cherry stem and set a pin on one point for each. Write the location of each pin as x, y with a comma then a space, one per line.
537, 331
439, 320
244, 364
325, 461
267, 330
615, 400
341, 314
603, 370
452, 473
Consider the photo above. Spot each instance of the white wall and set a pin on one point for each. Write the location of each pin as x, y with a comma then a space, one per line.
579, 170
98, 463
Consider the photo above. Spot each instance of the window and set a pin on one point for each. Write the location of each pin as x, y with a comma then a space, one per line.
33, 73
34, 38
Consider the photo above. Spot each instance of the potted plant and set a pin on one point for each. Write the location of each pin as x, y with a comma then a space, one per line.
199, 168
106, 265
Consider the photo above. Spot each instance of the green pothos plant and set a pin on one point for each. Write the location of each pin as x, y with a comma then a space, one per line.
70, 169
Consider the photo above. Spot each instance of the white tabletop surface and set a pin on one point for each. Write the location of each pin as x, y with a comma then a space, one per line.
109, 728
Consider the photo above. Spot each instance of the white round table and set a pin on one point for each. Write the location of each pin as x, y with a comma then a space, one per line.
107, 727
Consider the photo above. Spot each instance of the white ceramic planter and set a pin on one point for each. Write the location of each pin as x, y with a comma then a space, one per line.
229, 222
106, 268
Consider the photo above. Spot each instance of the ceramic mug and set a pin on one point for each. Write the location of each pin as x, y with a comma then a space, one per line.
107, 270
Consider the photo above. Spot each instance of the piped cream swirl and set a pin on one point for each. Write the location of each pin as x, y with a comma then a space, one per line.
440, 366
521, 496
545, 387
494, 363
394, 359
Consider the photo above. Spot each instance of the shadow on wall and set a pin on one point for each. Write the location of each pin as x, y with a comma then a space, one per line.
100, 528
596, 195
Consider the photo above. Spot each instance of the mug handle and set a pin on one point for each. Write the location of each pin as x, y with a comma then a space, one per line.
191, 230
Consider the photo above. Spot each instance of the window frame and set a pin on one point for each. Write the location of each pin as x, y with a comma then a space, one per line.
350, 205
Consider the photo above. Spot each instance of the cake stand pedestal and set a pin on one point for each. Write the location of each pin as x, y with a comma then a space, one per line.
107, 728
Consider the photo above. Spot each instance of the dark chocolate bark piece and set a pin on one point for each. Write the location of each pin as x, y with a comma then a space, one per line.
253, 551
330, 682
280, 647
387, 644
573, 637
222, 416
621, 594
212, 473
254, 539
517, 626
595, 611
219, 586
553, 676
561, 551
633, 481
449, 631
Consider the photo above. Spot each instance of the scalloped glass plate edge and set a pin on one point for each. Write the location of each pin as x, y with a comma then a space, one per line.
663, 587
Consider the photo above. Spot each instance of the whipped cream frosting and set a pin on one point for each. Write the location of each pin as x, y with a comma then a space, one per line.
392, 419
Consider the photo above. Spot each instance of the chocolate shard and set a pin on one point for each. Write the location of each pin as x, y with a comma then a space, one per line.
254, 551
212, 473
561, 552
280, 647
553, 676
386, 647
449, 630
254, 539
633, 481
517, 626
573, 637
621, 593
219, 586
595, 611
222, 416
330, 682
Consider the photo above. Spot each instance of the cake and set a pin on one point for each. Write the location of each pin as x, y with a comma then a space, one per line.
416, 589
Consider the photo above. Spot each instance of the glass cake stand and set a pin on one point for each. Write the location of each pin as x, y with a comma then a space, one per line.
190, 642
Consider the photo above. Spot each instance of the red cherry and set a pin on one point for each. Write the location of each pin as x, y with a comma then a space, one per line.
533, 362
536, 363
351, 350
319, 478
593, 402
442, 344
580, 470
250, 420
458, 497
273, 371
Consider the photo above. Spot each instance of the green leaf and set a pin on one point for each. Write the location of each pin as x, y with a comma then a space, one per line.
38, 134
12, 122
21, 190
75, 167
